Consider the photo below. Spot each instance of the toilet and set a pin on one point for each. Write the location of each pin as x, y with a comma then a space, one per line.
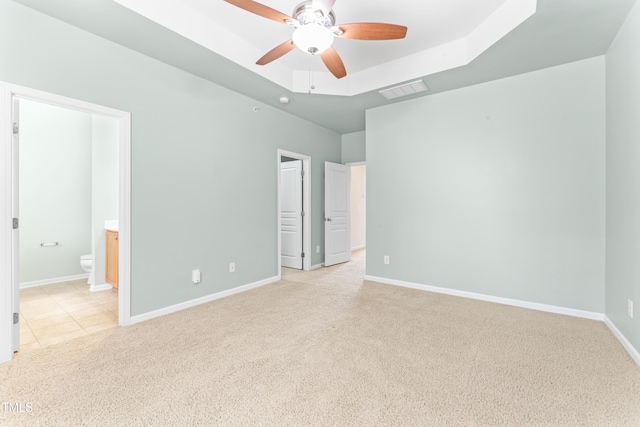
86, 262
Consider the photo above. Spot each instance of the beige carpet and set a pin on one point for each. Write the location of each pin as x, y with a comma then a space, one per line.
325, 348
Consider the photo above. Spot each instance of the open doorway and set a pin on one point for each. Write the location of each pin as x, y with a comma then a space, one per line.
294, 211
291, 213
359, 212
68, 202
345, 211
11, 96
358, 207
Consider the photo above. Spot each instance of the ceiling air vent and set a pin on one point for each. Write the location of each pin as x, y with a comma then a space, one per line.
404, 90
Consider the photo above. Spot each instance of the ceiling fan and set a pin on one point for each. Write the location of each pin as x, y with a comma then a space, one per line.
315, 28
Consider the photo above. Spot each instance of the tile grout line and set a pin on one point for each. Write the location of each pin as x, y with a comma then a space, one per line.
100, 304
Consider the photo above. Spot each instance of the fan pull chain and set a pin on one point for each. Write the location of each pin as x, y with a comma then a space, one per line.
312, 85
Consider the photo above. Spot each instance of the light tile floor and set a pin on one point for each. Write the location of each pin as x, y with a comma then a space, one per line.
59, 312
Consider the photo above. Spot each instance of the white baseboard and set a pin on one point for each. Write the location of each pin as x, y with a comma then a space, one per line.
317, 266
499, 300
635, 355
198, 301
98, 288
358, 248
52, 281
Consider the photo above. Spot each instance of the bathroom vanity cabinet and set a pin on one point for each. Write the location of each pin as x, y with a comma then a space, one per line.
112, 258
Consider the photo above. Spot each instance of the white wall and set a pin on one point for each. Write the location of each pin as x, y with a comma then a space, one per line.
104, 189
358, 206
497, 189
55, 190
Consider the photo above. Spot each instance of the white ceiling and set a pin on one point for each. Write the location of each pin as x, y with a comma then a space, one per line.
560, 31
441, 35
431, 23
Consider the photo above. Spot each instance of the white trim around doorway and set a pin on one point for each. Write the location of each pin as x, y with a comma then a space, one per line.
306, 206
8, 92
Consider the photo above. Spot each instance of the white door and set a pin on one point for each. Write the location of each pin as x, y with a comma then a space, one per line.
15, 236
337, 217
291, 214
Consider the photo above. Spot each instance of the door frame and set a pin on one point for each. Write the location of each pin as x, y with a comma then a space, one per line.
306, 206
352, 164
294, 176
8, 92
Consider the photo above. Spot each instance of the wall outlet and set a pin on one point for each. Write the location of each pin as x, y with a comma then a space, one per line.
630, 308
232, 267
318, 249
195, 276
386, 259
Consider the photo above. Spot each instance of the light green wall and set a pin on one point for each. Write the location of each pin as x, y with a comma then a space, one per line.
104, 184
623, 178
354, 147
497, 189
192, 207
55, 190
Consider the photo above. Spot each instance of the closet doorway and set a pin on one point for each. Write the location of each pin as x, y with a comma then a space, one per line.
295, 222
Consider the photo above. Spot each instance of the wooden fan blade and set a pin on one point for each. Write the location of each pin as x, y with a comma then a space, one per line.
324, 5
373, 31
333, 62
261, 10
277, 52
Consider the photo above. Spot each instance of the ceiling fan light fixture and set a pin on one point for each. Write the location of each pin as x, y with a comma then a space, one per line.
312, 38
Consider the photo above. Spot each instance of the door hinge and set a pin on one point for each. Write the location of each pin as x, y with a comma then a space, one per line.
16, 318
16, 129
302, 173
302, 213
15, 223
302, 254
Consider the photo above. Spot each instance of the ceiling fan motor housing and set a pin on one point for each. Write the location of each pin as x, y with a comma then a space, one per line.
304, 14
